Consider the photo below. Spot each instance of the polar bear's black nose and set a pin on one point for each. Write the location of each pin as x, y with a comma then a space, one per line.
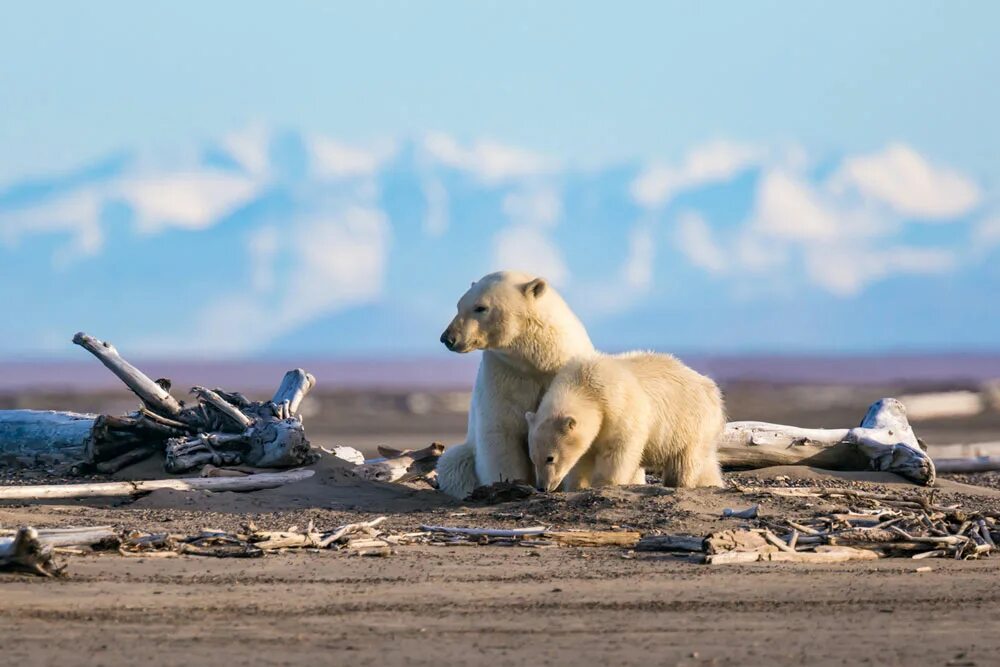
448, 339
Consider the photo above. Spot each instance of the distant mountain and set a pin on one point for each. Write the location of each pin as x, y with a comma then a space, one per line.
278, 243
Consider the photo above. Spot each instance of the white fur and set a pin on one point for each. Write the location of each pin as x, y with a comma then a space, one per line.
605, 416
527, 335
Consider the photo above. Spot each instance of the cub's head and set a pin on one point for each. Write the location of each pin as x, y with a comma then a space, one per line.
556, 443
491, 315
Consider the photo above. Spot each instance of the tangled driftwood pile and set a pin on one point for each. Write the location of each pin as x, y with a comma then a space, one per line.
883, 525
362, 538
219, 427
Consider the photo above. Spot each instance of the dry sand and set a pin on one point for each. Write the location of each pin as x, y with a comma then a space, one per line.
491, 604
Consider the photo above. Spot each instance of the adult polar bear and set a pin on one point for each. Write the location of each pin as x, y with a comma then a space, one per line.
527, 334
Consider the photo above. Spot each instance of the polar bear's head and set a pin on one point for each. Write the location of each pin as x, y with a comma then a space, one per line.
556, 441
493, 314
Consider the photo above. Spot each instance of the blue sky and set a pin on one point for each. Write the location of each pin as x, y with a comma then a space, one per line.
745, 150
588, 81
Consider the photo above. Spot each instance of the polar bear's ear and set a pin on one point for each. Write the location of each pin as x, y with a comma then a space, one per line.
567, 424
535, 288
529, 416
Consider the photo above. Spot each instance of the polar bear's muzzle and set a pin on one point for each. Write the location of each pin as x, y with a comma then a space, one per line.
458, 338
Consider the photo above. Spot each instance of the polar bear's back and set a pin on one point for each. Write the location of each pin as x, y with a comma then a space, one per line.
686, 410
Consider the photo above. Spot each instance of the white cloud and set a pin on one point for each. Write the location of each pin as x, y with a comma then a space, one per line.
189, 199
540, 206
788, 207
330, 262
845, 271
694, 238
987, 232
76, 214
528, 249
714, 162
490, 161
905, 181
250, 147
333, 159
638, 268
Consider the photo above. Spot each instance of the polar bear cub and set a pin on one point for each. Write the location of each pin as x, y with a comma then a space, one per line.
605, 416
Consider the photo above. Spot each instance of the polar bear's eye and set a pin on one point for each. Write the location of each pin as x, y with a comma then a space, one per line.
551, 459
480, 309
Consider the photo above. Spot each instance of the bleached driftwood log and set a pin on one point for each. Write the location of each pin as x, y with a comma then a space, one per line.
401, 465
975, 464
26, 552
884, 441
152, 394
139, 488
33, 433
221, 428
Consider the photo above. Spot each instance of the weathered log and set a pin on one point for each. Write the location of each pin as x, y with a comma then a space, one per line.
30, 433
71, 537
821, 555
293, 388
25, 552
125, 459
595, 538
884, 441
486, 532
401, 465
152, 394
975, 464
671, 543
139, 488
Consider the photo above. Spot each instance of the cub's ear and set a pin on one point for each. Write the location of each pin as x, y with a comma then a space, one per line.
535, 288
529, 416
567, 424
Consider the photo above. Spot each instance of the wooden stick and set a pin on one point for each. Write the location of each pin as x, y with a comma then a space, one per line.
124, 489
827, 555
226, 408
974, 464
125, 459
488, 532
293, 388
595, 538
671, 543
152, 394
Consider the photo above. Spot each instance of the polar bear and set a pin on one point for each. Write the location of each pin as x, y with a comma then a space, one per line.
605, 416
527, 334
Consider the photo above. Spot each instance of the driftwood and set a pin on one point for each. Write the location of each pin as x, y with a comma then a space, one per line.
401, 465
884, 441
975, 464
221, 428
671, 543
25, 552
362, 538
821, 555
139, 488
71, 537
595, 538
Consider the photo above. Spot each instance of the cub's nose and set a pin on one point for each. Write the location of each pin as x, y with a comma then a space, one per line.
449, 340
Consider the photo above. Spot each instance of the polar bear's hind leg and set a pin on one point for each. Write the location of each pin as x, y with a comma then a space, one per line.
456, 471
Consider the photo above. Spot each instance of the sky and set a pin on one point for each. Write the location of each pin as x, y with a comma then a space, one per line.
746, 151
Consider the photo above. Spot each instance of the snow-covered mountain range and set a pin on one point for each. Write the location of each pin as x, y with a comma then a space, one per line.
282, 243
